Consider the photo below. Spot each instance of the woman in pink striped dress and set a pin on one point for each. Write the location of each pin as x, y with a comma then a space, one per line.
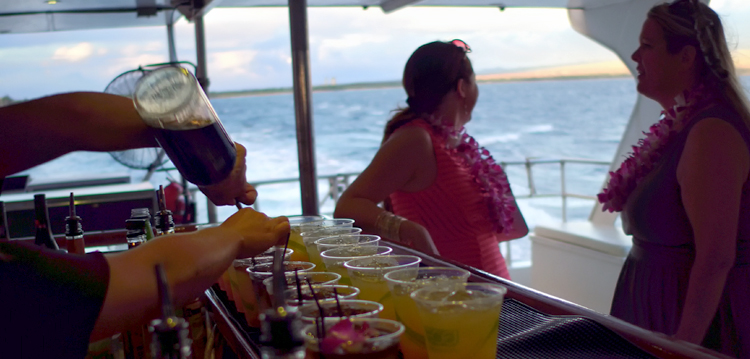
443, 193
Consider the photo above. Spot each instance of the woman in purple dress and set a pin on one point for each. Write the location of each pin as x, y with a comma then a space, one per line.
684, 193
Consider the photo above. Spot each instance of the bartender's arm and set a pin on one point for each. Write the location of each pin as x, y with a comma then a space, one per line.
192, 261
43, 129
40, 130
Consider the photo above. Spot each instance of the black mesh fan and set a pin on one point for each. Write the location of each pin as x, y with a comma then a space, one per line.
124, 85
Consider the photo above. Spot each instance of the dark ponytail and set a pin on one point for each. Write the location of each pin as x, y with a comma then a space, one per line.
431, 72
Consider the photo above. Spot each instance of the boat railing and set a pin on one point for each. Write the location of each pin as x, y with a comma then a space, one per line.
337, 183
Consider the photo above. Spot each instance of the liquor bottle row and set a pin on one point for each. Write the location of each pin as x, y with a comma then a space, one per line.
74, 235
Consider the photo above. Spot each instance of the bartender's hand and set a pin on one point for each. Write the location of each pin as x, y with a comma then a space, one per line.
234, 187
258, 231
417, 237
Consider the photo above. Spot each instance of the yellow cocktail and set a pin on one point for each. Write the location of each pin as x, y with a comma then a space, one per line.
401, 284
368, 274
326, 243
460, 322
334, 258
295, 238
310, 236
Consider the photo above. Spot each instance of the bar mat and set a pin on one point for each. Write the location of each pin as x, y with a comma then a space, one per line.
526, 333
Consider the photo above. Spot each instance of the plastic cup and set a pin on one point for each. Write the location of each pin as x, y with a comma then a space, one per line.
368, 274
382, 346
322, 292
295, 239
401, 284
352, 308
327, 243
334, 258
308, 226
309, 237
236, 280
460, 321
256, 295
315, 278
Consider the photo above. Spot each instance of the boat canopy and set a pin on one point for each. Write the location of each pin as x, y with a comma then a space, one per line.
26, 16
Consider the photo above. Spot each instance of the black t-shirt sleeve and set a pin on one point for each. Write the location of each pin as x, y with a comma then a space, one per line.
52, 300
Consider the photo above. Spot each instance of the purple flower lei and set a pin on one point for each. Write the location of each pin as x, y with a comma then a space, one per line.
647, 152
488, 175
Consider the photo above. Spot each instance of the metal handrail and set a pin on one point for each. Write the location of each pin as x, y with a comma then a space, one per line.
340, 181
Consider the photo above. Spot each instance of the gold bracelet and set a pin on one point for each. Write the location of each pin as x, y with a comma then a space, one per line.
388, 225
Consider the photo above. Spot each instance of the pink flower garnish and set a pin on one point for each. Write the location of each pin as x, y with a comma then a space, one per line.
344, 335
650, 149
488, 175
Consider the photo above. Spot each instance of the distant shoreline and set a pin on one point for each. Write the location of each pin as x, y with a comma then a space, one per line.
391, 84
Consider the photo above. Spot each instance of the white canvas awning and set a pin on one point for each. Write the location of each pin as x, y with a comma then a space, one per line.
25, 16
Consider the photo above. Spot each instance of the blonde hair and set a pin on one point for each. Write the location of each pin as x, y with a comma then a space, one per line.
690, 22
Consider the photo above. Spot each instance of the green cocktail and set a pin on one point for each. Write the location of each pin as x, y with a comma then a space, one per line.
460, 322
368, 274
401, 284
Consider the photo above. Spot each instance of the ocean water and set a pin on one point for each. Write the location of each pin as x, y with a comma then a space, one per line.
549, 119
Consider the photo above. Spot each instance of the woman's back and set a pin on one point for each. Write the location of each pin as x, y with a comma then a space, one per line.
453, 210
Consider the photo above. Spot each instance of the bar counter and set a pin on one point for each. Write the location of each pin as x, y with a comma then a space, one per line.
532, 325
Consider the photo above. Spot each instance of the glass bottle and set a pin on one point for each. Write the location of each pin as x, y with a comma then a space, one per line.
163, 221
145, 214
136, 232
171, 100
43, 235
73, 230
169, 334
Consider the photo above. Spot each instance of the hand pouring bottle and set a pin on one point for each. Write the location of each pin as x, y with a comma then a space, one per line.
171, 100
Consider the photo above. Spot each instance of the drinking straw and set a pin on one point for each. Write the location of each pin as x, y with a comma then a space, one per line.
299, 287
286, 244
320, 309
338, 304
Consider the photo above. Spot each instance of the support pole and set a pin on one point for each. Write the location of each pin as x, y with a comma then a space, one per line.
201, 73
303, 106
170, 35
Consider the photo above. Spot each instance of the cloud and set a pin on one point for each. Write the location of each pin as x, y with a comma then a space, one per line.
237, 62
327, 48
75, 53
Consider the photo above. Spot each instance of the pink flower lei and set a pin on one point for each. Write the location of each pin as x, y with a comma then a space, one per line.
649, 150
487, 174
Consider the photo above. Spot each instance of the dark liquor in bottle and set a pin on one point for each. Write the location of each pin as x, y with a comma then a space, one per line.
43, 235
4, 232
204, 156
163, 221
73, 230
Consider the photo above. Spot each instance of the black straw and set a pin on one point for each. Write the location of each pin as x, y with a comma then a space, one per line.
320, 309
165, 295
299, 287
338, 304
286, 244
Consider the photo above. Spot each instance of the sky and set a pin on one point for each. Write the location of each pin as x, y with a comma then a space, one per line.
250, 48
